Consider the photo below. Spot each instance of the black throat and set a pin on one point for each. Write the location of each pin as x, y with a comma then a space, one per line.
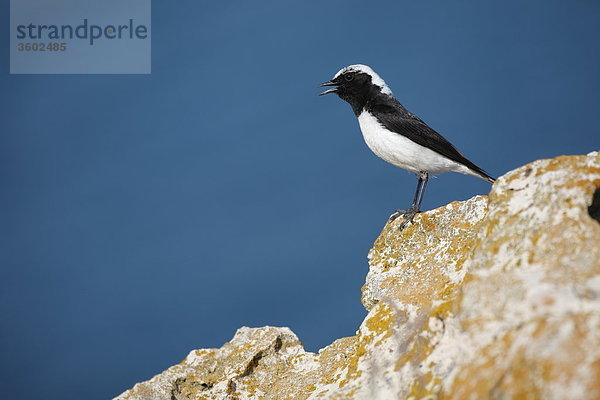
360, 99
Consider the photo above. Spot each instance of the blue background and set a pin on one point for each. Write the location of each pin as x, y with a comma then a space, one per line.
145, 216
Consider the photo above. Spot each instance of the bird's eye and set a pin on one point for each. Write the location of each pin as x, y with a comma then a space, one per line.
349, 77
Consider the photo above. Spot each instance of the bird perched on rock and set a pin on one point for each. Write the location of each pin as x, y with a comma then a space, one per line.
395, 134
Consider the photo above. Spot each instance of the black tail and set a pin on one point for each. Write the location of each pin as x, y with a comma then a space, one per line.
482, 174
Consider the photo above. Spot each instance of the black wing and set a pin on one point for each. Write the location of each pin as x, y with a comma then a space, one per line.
398, 119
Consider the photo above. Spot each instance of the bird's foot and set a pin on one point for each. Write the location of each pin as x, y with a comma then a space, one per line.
396, 214
407, 216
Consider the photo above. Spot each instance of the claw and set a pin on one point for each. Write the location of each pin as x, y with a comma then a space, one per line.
408, 216
396, 214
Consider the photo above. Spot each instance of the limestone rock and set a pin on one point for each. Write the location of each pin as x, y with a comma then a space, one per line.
493, 297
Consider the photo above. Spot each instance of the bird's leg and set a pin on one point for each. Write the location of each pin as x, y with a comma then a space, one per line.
416, 204
423, 178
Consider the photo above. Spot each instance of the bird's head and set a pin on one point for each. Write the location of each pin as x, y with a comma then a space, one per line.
355, 80
356, 84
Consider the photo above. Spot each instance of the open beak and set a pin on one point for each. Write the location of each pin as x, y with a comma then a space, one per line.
332, 90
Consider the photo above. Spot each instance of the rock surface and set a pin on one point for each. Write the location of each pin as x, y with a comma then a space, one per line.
493, 297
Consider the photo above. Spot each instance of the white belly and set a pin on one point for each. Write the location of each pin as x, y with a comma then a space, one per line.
402, 152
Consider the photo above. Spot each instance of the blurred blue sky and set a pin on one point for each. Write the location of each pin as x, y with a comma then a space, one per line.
145, 216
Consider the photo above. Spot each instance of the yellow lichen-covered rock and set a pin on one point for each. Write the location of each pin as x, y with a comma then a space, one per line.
530, 310
493, 297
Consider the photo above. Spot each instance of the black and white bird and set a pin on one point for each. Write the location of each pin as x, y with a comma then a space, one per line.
395, 134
